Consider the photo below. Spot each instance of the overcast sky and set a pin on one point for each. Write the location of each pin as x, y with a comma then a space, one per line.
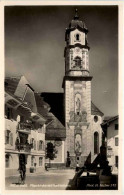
35, 41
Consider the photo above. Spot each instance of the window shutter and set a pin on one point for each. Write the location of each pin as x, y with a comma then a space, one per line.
37, 145
34, 145
11, 139
42, 145
31, 141
5, 136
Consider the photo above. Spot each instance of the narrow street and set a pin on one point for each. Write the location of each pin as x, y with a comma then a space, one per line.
50, 180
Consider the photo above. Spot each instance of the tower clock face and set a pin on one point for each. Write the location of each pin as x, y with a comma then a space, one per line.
77, 50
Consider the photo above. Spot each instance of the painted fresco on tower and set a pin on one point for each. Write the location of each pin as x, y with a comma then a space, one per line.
78, 144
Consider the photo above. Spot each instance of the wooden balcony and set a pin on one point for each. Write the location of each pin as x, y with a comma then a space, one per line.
24, 127
24, 147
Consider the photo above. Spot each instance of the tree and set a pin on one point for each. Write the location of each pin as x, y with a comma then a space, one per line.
51, 151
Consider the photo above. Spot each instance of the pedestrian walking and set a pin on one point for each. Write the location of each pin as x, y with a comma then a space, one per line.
22, 170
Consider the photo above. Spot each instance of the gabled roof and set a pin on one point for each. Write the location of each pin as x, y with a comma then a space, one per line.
20, 88
54, 128
55, 123
42, 107
95, 110
111, 119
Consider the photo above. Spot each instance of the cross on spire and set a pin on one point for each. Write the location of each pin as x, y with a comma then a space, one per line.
76, 17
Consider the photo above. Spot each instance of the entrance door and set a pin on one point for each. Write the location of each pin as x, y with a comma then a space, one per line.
22, 158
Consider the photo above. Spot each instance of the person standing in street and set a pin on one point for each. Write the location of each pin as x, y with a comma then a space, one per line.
22, 170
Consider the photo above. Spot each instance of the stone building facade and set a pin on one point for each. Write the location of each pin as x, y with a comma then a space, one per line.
82, 117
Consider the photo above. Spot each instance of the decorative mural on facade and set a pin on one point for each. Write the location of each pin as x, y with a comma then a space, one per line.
78, 143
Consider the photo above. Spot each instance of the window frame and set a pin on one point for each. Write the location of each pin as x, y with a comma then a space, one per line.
32, 161
40, 161
96, 142
116, 161
116, 126
116, 141
96, 118
41, 144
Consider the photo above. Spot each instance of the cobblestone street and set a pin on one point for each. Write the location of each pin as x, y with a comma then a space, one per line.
51, 180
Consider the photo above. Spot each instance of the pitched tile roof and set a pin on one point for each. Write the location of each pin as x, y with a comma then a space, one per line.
55, 123
95, 110
54, 128
42, 107
110, 119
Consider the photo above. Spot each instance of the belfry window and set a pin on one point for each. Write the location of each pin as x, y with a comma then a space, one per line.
96, 143
77, 37
77, 62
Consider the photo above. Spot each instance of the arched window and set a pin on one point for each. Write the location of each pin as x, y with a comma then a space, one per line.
96, 143
40, 145
7, 160
77, 37
77, 62
95, 119
40, 161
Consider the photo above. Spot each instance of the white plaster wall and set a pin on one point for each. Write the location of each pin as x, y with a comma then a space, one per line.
111, 135
96, 127
60, 153
72, 37
11, 125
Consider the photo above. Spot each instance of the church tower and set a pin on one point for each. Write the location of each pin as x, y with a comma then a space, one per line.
77, 91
